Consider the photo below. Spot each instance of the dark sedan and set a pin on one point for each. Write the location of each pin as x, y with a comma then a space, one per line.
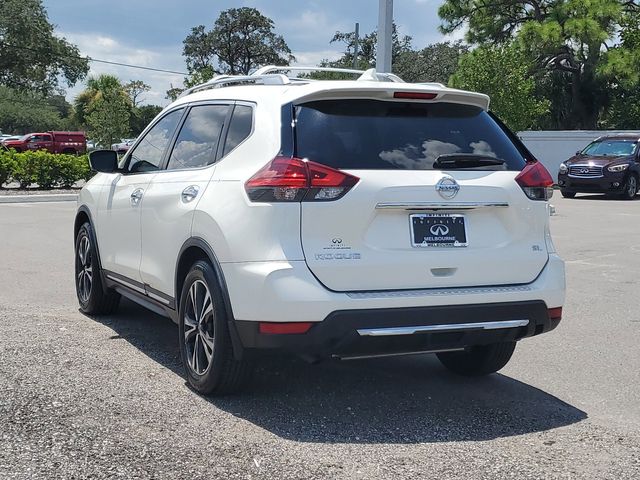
610, 165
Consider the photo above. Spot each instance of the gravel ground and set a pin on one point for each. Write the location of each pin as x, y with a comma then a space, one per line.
83, 398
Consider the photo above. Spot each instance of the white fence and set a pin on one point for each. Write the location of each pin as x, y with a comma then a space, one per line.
554, 147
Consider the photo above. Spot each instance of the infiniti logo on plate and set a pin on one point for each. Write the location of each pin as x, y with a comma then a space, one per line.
447, 187
439, 230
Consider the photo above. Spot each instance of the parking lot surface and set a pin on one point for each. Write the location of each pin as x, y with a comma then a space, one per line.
85, 398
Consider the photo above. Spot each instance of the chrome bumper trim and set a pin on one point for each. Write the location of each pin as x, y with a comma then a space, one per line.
438, 205
392, 331
438, 292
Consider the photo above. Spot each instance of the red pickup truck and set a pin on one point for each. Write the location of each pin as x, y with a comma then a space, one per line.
54, 142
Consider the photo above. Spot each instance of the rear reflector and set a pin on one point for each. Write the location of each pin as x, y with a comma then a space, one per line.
415, 95
535, 181
555, 313
292, 328
290, 179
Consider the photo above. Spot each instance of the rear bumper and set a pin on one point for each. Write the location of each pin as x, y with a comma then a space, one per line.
353, 333
288, 292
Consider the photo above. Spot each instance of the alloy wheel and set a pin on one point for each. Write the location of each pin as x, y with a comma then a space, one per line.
632, 186
199, 327
84, 269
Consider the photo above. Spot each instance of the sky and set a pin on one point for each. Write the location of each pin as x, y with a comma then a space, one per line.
150, 32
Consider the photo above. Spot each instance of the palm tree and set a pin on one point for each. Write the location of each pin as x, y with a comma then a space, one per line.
96, 89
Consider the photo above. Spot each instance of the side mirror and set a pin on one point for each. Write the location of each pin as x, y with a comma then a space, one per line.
103, 161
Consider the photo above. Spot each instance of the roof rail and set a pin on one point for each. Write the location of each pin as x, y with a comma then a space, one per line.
226, 80
268, 76
365, 75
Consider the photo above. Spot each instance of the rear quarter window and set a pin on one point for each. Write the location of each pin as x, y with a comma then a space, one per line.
372, 134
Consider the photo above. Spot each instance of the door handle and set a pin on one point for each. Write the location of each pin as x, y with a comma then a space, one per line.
190, 193
136, 197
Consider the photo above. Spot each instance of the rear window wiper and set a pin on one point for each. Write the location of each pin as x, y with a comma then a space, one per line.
466, 160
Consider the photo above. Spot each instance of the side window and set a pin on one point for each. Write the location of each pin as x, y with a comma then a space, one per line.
239, 128
46, 138
198, 139
147, 156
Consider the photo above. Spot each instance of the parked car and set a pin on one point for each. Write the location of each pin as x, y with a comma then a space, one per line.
6, 138
54, 142
609, 164
123, 146
342, 219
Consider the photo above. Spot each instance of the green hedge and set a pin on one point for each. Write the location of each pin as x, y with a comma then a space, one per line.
44, 169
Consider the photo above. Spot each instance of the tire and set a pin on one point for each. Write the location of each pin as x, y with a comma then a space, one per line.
479, 360
630, 188
205, 343
92, 297
566, 194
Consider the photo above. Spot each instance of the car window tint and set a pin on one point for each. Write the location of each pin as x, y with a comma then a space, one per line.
147, 155
372, 134
239, 128
198, 139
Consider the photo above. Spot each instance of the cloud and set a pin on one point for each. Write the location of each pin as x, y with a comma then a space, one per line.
311, 28
104, 47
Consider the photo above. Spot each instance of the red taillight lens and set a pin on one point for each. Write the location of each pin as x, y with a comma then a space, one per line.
555, 313
536, 181
290, 328
415, 95
286, 179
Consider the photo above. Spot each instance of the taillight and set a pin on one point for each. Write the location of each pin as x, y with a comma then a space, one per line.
287, 179
536, 182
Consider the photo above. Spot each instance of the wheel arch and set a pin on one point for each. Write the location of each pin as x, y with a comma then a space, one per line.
194, 249
83, 215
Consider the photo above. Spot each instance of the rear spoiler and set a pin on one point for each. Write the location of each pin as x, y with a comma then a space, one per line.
387, 93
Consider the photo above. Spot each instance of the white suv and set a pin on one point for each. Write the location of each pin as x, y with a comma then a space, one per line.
339, 219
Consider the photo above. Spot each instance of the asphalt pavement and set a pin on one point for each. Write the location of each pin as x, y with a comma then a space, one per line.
85, 398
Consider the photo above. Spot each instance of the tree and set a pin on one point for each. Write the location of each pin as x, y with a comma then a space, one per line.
434, 63
105, 108
624, 111
31, 56
135, 88
367, 48
366, 53
24, 112
569, 37
142, 116
503, 73
241, 40
108, 119
97, 87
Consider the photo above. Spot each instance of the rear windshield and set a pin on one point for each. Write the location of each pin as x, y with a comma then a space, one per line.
614, 148
372, 134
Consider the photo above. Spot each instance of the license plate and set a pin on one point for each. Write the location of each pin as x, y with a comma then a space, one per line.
438, 230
